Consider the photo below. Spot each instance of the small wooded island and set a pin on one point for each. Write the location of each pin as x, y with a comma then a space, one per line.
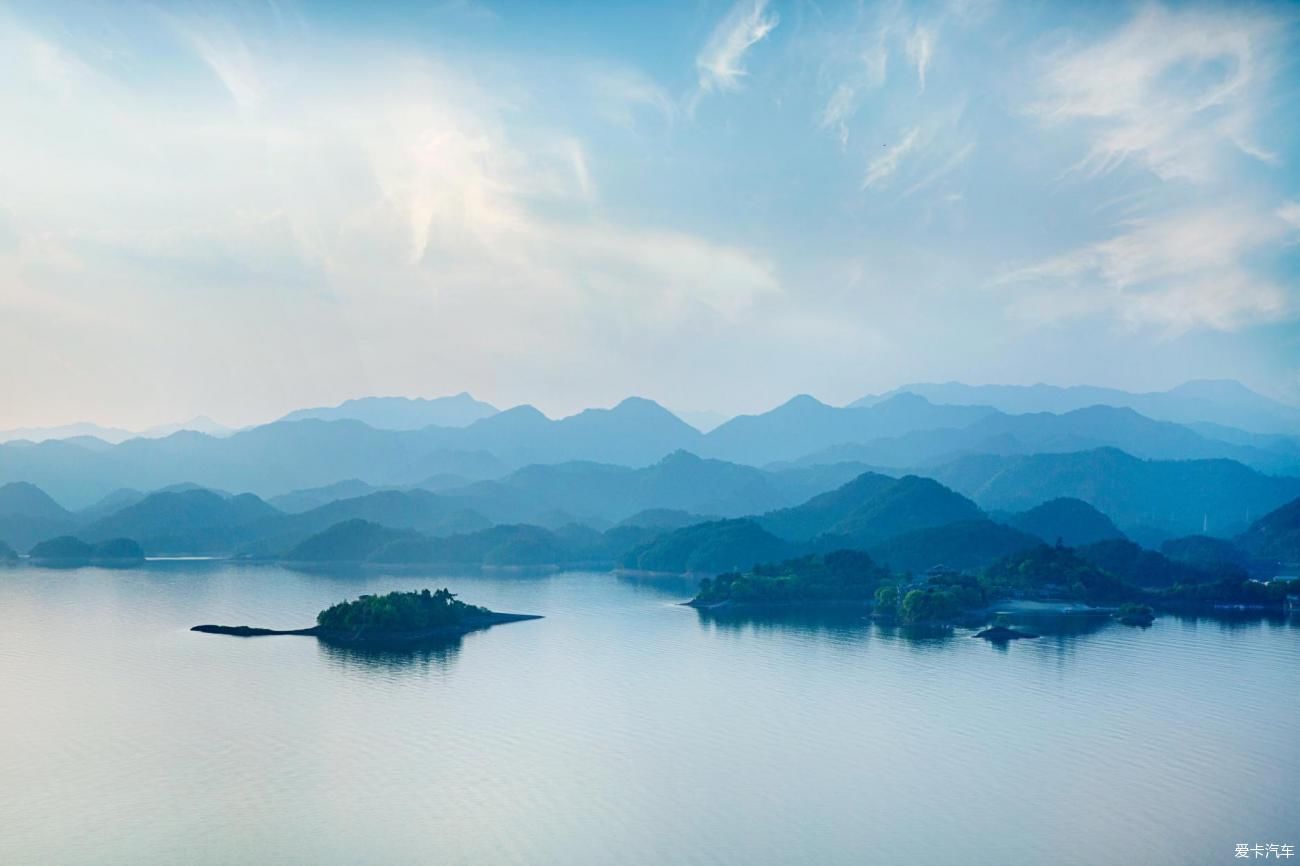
395, 618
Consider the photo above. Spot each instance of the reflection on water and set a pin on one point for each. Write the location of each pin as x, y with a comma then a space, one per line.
623, 728
1058, 627
357, 570
1236, 620
921, 635
678, 585
854, 622
840, 622
417, 658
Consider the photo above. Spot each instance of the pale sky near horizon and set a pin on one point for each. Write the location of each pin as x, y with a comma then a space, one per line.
239, 209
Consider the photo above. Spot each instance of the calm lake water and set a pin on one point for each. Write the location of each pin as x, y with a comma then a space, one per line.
621, 729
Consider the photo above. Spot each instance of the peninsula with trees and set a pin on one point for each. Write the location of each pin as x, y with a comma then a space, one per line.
1083, 580
396, 618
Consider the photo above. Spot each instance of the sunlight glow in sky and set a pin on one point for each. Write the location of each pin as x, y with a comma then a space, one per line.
238, 209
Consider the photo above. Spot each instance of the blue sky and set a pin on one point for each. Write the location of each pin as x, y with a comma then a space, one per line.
242, 208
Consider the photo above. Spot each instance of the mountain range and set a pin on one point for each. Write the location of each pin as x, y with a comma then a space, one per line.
904, 433
909, 523
904, 476
1150, 500
188, 519
88, 434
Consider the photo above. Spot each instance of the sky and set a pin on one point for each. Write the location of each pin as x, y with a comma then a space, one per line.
239, 209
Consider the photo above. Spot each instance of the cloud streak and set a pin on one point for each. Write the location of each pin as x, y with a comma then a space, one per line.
920, 51
883, 167
721, 63
1177, 273
1167, 92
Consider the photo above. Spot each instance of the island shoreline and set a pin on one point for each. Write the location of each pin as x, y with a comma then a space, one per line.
360, 638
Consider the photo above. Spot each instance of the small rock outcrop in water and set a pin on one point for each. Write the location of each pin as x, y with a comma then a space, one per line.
399, 617
1001, 633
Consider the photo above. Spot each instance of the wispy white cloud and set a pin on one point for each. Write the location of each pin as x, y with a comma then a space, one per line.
721, 63
621, 92
1168, 91
867, 72
838, 110
1177, 93
221, 47
920, 51
1178, 272
854, 52
1289, 213
883, 166
953, 162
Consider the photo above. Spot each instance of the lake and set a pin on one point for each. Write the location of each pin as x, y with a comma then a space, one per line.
621, 729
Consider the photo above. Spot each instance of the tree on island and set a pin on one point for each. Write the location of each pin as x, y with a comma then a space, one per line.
399, 611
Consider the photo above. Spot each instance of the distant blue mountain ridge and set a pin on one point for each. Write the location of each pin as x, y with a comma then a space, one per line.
1222, 402
902, 433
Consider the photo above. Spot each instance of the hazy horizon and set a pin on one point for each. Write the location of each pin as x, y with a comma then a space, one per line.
702, 418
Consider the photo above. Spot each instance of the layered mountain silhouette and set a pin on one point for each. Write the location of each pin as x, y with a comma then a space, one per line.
903, 433
29, 515
1150, 500
931, 474
904, 521
909, 523
184, 522
1076, 430
804, 425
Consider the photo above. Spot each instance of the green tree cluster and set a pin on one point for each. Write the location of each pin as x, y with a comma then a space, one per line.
945, 595
844, 575
398, 611
1057, 570
1248, 592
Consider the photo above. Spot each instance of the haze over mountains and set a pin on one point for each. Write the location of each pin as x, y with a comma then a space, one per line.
1209, 401
85, 432
450, 466
402, 413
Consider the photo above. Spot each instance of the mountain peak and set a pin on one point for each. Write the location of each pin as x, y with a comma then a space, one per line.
680, 458
903, 399
1227, 391
801, 403
803, 400
22, 497
637, 409
403, 413
639, 404
524, 413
